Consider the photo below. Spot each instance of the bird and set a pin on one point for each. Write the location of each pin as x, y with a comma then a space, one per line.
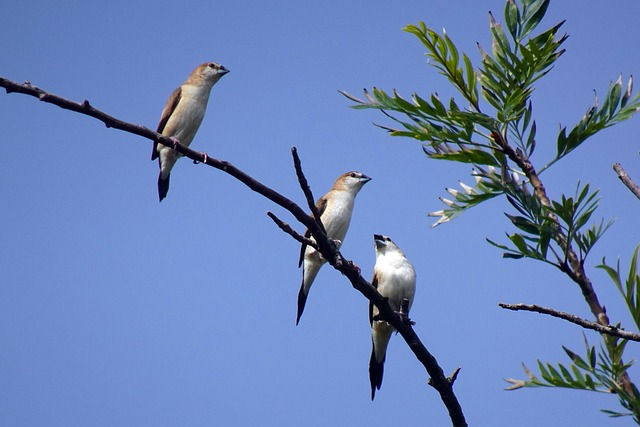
182, 116
335, 209
395, 278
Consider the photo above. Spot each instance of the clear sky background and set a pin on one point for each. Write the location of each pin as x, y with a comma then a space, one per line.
119, 311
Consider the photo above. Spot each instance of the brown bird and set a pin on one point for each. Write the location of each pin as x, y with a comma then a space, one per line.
182, 116
335, 208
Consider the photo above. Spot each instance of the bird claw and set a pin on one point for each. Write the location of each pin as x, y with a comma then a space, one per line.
405, 319
206, 158
404, 313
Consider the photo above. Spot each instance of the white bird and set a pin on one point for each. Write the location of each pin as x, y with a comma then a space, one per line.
395, 278
182, 116
335, 208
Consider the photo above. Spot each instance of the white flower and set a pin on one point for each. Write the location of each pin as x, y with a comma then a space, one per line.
447, 202
443, 218
453, 192
466, 188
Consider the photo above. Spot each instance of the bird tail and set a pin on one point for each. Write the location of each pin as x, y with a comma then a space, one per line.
302, 301
154, 151
310, 270
375, 373
163, 185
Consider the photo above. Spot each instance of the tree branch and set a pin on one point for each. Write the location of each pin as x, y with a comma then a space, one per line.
575, 266
326, 247
306, 189
291, 232
626, 179
609, 329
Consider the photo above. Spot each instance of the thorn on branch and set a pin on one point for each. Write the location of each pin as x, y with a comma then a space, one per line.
454, 376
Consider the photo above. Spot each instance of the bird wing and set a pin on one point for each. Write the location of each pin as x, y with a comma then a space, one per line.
374, 283
321, 206
169, 108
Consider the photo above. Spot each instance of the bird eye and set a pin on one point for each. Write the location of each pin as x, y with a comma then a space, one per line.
352, 174
212, 65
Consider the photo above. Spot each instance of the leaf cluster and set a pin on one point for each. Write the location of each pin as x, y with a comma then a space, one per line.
628, 289
599, 370
537, 237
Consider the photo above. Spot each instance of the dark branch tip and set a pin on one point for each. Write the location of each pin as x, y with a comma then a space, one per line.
454, 376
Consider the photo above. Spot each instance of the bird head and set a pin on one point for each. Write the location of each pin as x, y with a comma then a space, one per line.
351, 181
211, 71
384, 244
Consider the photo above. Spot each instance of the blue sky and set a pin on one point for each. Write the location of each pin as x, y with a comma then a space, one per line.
117, 310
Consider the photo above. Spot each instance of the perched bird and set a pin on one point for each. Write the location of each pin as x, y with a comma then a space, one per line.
394, 278
182, 115
335, 210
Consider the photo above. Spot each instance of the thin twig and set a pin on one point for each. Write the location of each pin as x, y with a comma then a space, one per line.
626, 179
306, 189
326, 247
609, 330
291, 232
454, 376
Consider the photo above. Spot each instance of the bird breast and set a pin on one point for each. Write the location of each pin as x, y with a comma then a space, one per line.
187, 117
399, 281
337, 217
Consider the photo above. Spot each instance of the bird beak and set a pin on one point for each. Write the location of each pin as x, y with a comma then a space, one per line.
379, 240
365, 178
223, 71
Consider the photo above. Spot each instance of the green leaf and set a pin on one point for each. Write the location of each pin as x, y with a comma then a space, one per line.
512, 255
512, 18
524, 224
576, 359
614, 414
534, 20
627, 93
553, 372
438, 105
518, 240
474, 156
472, 77
589, 383
615, 93
579, 380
